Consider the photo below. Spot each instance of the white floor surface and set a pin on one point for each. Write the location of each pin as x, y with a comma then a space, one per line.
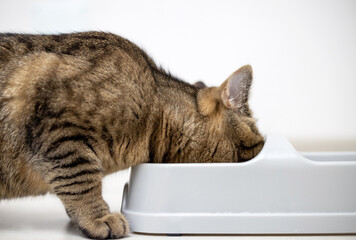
44, 217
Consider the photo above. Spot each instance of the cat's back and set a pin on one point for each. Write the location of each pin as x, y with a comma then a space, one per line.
90, 75
104, 52
87, 58
93, 46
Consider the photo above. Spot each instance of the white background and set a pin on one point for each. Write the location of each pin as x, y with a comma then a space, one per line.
303, 52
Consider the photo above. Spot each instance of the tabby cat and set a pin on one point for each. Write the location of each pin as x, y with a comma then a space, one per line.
76, 107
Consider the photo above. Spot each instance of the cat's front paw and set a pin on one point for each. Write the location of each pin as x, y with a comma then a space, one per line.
110, 226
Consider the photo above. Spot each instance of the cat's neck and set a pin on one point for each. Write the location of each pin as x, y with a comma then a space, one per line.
178, 121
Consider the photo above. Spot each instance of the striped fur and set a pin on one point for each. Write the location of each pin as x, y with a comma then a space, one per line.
76, 107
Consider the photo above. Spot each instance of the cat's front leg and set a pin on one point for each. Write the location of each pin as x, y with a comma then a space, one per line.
109, 226
92, 215
77, 180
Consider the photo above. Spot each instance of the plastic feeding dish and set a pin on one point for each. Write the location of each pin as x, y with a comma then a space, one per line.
280, 191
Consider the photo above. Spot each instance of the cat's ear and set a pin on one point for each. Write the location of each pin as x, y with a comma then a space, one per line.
235, 90
233, 93
200, 85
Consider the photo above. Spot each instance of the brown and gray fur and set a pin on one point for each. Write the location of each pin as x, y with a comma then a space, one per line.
76, 107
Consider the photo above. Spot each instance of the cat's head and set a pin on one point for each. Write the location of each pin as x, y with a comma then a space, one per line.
230, 125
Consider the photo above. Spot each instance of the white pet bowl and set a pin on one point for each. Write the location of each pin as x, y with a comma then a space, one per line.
280, 191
